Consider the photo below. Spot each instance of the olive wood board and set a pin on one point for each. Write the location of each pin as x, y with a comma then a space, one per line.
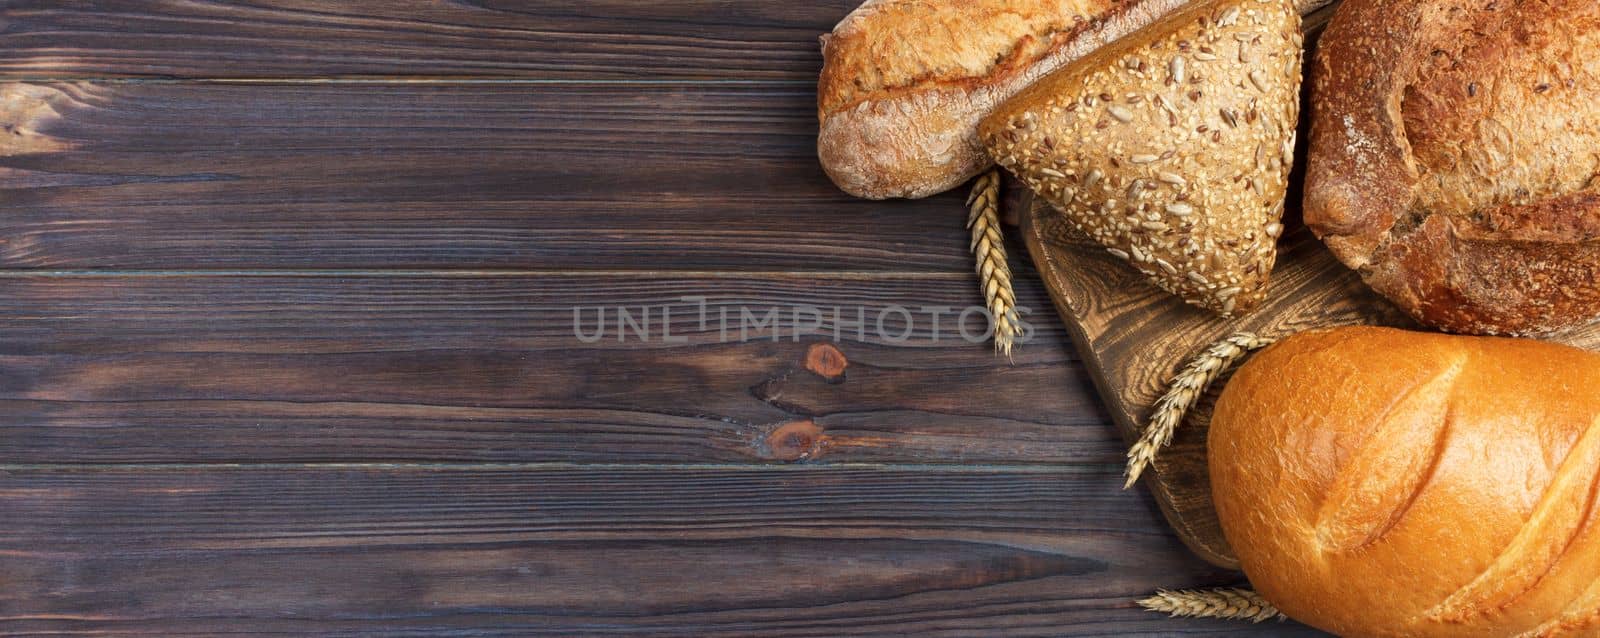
1133, 337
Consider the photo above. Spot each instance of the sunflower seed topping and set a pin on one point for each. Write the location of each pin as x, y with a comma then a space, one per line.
1194, 202
1229, 15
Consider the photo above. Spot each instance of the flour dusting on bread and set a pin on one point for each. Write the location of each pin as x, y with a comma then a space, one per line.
1453, 158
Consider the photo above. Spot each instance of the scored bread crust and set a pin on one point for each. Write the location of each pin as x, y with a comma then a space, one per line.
905, 82
1454, 155
1379, 482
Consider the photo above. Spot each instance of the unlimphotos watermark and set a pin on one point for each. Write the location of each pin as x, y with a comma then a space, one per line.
738, 322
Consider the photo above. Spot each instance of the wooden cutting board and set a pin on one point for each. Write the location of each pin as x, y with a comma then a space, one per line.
1133, 337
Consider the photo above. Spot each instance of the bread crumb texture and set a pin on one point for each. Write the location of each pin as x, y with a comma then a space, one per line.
1172, 148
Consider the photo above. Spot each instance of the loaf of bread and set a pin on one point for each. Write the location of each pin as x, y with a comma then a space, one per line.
1378, 482
1454, 162
1172, 147
905, 82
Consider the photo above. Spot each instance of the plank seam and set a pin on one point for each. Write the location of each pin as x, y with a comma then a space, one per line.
1028, 468
392, 80
953, 275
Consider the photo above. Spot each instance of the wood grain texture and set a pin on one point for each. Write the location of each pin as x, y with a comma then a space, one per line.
452, 176
416, 38
217, 433
232, 368
601, 551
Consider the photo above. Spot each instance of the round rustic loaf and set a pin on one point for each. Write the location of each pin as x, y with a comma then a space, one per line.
1378, 482
1453, 158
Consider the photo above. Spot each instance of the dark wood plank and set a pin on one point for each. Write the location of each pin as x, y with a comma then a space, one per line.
603, 551
228, 368
458, 176
416, 38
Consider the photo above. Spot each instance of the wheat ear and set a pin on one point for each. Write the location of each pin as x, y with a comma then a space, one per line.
1228, 603
989, 250
1185, 391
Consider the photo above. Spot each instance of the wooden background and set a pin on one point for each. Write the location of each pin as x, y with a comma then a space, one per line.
286, 343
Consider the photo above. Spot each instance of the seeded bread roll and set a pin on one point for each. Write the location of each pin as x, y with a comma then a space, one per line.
1378, 482
1453, 158
1172, 147
904, 82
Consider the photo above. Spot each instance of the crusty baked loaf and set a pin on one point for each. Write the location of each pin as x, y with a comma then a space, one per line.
904, 82
1171, 147
1378, 482
1455, 146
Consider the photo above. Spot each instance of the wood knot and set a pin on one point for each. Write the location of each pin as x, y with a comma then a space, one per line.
826, 361
795, 441
24, 110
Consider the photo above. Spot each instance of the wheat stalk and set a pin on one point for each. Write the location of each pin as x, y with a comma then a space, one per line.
1224, 603
1185, 391
989, 251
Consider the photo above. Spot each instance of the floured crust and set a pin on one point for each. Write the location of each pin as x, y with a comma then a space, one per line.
1455, 148
1378, 482
905, 82
939, 42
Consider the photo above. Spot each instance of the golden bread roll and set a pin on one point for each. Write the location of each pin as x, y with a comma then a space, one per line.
1378, 482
